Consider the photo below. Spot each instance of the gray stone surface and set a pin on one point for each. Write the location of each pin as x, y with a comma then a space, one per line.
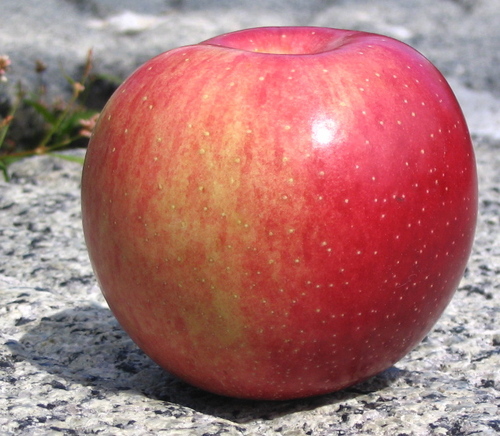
66, 367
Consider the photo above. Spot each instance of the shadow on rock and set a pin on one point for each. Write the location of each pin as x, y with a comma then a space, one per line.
86, 345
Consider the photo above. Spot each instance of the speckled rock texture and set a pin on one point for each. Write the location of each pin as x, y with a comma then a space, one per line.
67, 368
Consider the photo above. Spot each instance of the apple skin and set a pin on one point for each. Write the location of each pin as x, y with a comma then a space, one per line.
280, 212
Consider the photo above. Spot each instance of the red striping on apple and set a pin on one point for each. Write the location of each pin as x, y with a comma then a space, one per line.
277, 213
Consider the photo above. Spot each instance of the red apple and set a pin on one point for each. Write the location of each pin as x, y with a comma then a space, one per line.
280, 212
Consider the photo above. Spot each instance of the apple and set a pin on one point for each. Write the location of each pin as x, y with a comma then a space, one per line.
283, 212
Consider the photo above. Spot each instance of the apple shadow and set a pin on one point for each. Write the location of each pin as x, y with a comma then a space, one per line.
86, 345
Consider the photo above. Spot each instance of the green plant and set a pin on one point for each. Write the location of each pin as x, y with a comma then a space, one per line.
64, 122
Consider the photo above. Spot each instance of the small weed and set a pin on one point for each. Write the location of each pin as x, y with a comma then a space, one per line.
65, 123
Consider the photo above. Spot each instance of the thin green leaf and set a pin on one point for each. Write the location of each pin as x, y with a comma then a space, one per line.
45, 112
115, 80
3, 169
3, 134
5, 161
70, 158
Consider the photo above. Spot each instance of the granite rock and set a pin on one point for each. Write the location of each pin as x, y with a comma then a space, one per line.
66, 367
